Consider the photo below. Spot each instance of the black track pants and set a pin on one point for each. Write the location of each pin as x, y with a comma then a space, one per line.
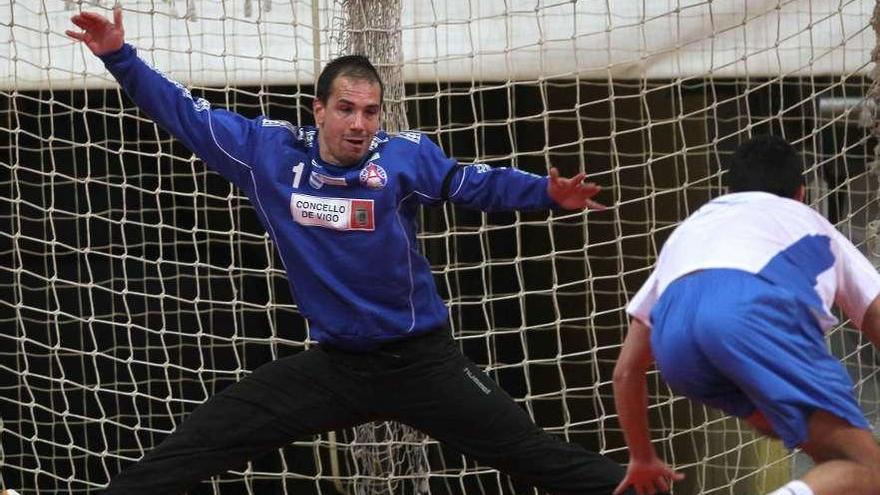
424, 382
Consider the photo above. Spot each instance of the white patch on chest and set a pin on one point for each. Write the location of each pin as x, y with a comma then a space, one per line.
333, 213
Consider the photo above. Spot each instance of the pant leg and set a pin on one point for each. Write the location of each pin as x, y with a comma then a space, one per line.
445, 395
281, 401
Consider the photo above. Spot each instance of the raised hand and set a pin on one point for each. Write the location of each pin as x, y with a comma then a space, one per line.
573, 193
648, 477
98, 33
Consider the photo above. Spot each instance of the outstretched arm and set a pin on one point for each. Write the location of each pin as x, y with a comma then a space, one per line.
646, 472
224, 140
502, 189
486, 188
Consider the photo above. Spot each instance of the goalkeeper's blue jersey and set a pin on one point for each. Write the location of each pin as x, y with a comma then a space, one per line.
346, 236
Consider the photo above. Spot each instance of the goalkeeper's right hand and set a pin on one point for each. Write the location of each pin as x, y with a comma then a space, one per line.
98, 33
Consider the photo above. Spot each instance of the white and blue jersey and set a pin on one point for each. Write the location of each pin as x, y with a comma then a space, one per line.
779, 239
347, 236
738, 305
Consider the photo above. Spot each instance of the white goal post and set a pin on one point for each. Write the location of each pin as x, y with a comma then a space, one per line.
135, 284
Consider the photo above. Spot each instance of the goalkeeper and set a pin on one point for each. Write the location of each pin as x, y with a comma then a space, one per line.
734, 315
339, 201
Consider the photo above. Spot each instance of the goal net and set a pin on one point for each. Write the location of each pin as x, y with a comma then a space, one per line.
135, 284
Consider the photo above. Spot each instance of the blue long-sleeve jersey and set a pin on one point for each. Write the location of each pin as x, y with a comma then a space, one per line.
346, 236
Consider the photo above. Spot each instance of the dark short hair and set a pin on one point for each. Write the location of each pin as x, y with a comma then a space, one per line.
768, 164
352, 66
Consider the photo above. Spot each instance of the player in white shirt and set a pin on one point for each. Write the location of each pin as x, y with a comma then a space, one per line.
734, 317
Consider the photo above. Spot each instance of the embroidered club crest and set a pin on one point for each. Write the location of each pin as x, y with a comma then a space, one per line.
373, 176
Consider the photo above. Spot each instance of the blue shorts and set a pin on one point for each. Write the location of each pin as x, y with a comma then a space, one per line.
733, 341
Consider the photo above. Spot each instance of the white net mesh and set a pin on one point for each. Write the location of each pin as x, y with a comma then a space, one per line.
134, 284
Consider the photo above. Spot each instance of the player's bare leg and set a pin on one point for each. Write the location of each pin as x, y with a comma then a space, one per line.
848, 458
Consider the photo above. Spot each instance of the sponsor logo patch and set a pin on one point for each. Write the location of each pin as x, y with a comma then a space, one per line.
376, 141
333, 213
480, 385
282, 123
415, 137
307, 136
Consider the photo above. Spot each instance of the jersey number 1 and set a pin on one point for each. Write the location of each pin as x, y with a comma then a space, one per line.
297, 174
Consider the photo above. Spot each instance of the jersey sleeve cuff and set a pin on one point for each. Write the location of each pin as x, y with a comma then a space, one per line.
122, 54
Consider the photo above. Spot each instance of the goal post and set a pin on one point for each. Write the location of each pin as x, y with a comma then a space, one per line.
135, 284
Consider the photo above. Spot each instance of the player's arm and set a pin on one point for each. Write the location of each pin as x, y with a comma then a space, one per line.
858, 288
631, 391
646, 472
224, 140
488, 188
502, 189
871, 322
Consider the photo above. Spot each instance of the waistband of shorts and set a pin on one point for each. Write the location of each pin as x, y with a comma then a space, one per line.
427, 336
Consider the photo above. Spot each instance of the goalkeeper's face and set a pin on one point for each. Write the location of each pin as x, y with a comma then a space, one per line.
348, 120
